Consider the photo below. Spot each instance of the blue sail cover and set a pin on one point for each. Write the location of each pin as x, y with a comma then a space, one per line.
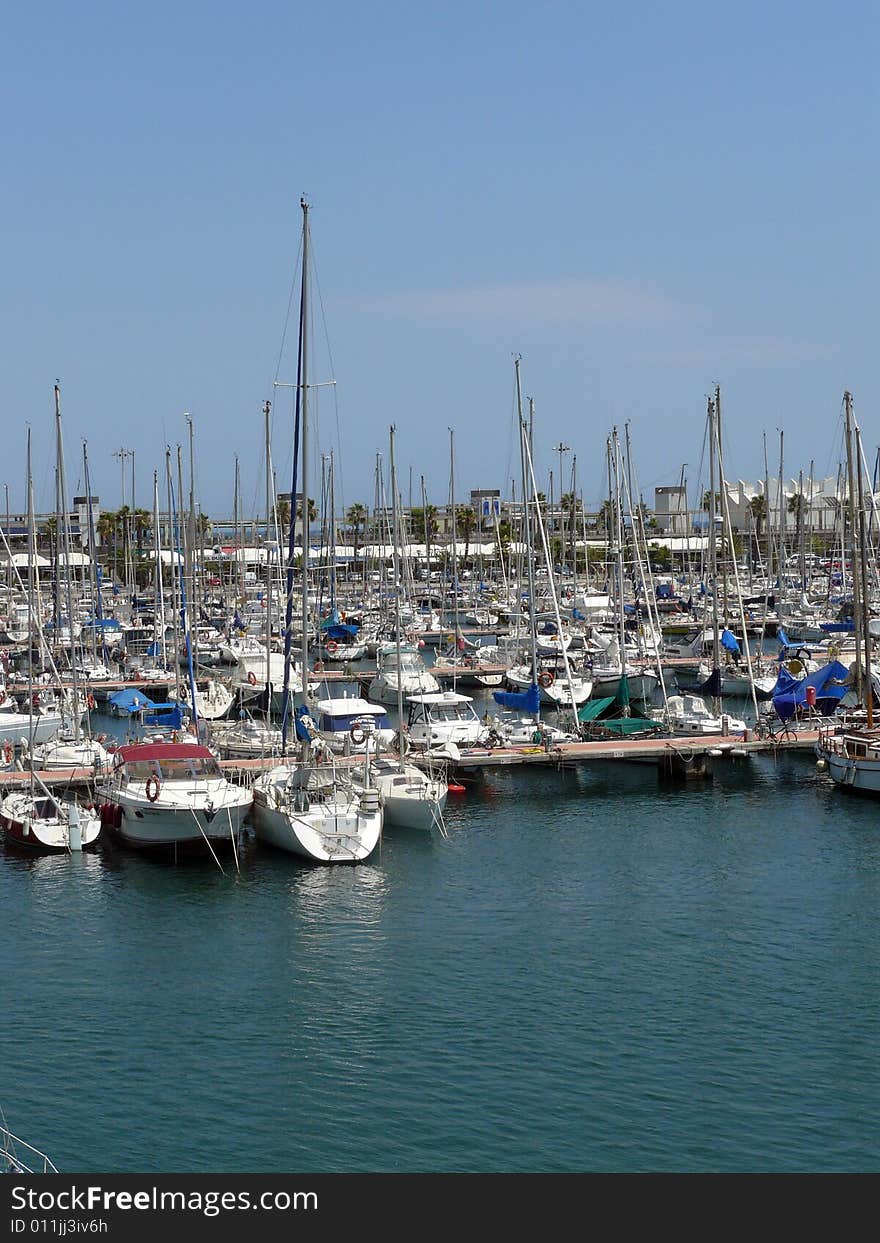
783, 637
522, 701
729, 642
831, 683
341, 631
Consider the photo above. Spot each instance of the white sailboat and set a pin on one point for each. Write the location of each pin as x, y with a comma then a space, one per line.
309, 808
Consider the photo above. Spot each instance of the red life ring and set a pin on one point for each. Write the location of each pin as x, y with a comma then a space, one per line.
545, 678
8, 752
331, 645
91, 701
252, 678
357, 734
152, 788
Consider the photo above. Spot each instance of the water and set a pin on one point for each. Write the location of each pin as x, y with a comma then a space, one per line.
594, 972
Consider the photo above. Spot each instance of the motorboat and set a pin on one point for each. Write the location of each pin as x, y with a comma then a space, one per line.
340, 722
689, 715
404, 672
443, 717
171, 793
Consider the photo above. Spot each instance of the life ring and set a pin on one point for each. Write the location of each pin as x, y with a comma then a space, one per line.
331, 646
90, 701
7, 752
2, 696
545, 678
152, 788
357, 735
252, 677
183, 694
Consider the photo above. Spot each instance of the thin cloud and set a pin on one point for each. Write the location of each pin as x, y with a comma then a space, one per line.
568, 300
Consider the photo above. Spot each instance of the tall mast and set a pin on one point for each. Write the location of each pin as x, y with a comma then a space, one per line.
713, 551
303, 394
267, 406
863, 567
65, 532
525, 432
857, 601
395, 546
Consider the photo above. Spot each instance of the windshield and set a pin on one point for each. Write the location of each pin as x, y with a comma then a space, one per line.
194, 769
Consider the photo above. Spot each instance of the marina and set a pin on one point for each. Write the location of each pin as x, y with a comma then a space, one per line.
439, 608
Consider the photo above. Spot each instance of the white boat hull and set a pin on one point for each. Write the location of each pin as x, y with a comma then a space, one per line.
337, 831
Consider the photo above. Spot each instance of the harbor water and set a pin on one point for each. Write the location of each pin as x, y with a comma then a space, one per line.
596, 971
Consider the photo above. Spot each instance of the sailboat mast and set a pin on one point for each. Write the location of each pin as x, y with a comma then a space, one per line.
525, 435
304, 445
863, 565
65, 533
858, 618
713, 534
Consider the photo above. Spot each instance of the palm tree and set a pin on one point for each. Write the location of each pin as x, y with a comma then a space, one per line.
356, 517
465, 522
424, 523
758, 507
142, 520
49, 530
282, 514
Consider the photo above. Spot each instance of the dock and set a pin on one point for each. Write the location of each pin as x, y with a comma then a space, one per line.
685, 756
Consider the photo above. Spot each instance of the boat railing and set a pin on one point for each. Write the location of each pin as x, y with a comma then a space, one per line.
15, 1164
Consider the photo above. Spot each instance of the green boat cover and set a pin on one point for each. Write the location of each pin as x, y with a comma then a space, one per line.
593, 707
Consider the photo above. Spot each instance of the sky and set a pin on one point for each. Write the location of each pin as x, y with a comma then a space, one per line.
642, 201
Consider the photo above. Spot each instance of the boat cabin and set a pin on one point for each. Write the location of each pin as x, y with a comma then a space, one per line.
444, 716
172, 761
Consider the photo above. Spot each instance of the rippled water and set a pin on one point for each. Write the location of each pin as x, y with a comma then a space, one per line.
596, 971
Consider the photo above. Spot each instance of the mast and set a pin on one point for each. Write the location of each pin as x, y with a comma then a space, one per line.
65, 531
267, 406
298, 435
395, 545
525, 435
33, 623
713, 553
863, 565
857, 600
303, 394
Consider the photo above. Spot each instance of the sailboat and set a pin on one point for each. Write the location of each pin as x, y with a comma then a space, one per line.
410, 797
309, 808
852, 754
34, 817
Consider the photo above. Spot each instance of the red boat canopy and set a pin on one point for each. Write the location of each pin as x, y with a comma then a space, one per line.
163, 751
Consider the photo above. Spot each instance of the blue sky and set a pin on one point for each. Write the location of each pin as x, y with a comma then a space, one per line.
641, 200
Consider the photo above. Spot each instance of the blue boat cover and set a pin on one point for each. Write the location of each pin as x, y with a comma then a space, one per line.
130, 701
168, 715
831, 683
844, 627
729, 641
340, 630
523, 701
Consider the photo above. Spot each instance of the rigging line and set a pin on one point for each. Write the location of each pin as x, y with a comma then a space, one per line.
317, 281
293, 287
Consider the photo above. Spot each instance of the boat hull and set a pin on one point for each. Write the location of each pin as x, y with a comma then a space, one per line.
332, 832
